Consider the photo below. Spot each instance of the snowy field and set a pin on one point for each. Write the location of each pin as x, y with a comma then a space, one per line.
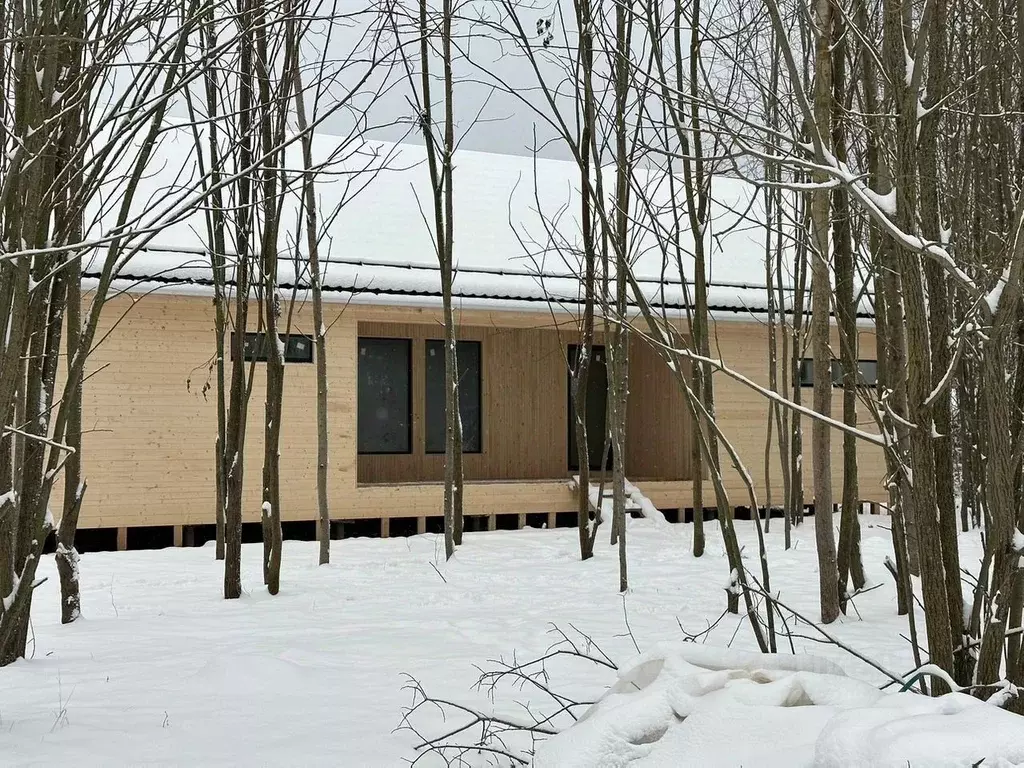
162, 671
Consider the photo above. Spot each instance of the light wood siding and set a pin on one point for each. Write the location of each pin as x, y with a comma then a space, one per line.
742, 414
150, 428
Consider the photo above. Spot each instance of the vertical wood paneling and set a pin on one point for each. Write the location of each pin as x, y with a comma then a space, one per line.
523, 391
524, 400
658, 422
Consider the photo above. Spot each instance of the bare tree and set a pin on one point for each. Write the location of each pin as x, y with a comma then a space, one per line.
821, 290
79, 137
910, 236
849, 560
435, 38
309, 207
246, 141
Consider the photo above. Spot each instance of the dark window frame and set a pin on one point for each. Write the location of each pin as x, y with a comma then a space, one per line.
409, 397
807, 373
480, 395
253, 347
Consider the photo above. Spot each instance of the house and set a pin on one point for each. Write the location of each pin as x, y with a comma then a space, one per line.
150, 417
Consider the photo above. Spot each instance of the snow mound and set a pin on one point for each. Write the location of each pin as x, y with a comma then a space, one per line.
907, 729
691, 705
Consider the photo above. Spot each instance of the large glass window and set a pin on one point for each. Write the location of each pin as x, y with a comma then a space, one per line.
468, 354
385, 396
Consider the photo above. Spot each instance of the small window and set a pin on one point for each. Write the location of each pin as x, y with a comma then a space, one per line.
868, 371
384, 410
468, 354
806, 372
298, 348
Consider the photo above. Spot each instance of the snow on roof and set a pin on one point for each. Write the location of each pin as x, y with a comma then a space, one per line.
516, 230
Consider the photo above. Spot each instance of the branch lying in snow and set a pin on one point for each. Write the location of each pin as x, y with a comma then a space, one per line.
493, 729
702, 636
496, 731
1004, 691
532, 674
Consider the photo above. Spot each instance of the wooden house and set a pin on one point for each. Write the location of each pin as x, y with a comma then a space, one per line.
150, 413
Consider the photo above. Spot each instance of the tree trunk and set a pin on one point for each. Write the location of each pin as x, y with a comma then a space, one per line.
319, 330
619, 348
217, 243
795, 505
939, 622
235, 444
440, 166
849, 560
271, 137
821, 291
940, 330
66, 555
588, 201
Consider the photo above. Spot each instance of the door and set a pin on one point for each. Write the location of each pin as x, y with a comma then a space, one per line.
597, 410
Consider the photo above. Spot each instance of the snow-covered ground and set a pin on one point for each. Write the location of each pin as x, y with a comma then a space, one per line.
162, 671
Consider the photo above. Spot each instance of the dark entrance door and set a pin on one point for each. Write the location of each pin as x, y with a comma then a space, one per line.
597, 408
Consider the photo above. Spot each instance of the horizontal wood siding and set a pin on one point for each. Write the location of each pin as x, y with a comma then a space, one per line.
742, 414
150, 419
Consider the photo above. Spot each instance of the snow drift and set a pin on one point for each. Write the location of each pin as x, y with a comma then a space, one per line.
691, 705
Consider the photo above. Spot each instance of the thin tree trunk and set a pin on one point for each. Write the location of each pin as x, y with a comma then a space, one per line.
939, 622
443, 209
66, 556
319, 330
619, 348
215, 225
940, 329
74, 485
821, 291
795, 514
849, 560
273, 108
581, 369
238, 397
453, 417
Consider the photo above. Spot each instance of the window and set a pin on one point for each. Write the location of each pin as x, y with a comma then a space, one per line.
384, 409
597, 407
867, 373
868, 370
468, 354
298, 348
806, 372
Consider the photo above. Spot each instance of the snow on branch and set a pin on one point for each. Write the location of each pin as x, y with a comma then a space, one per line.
718, 365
